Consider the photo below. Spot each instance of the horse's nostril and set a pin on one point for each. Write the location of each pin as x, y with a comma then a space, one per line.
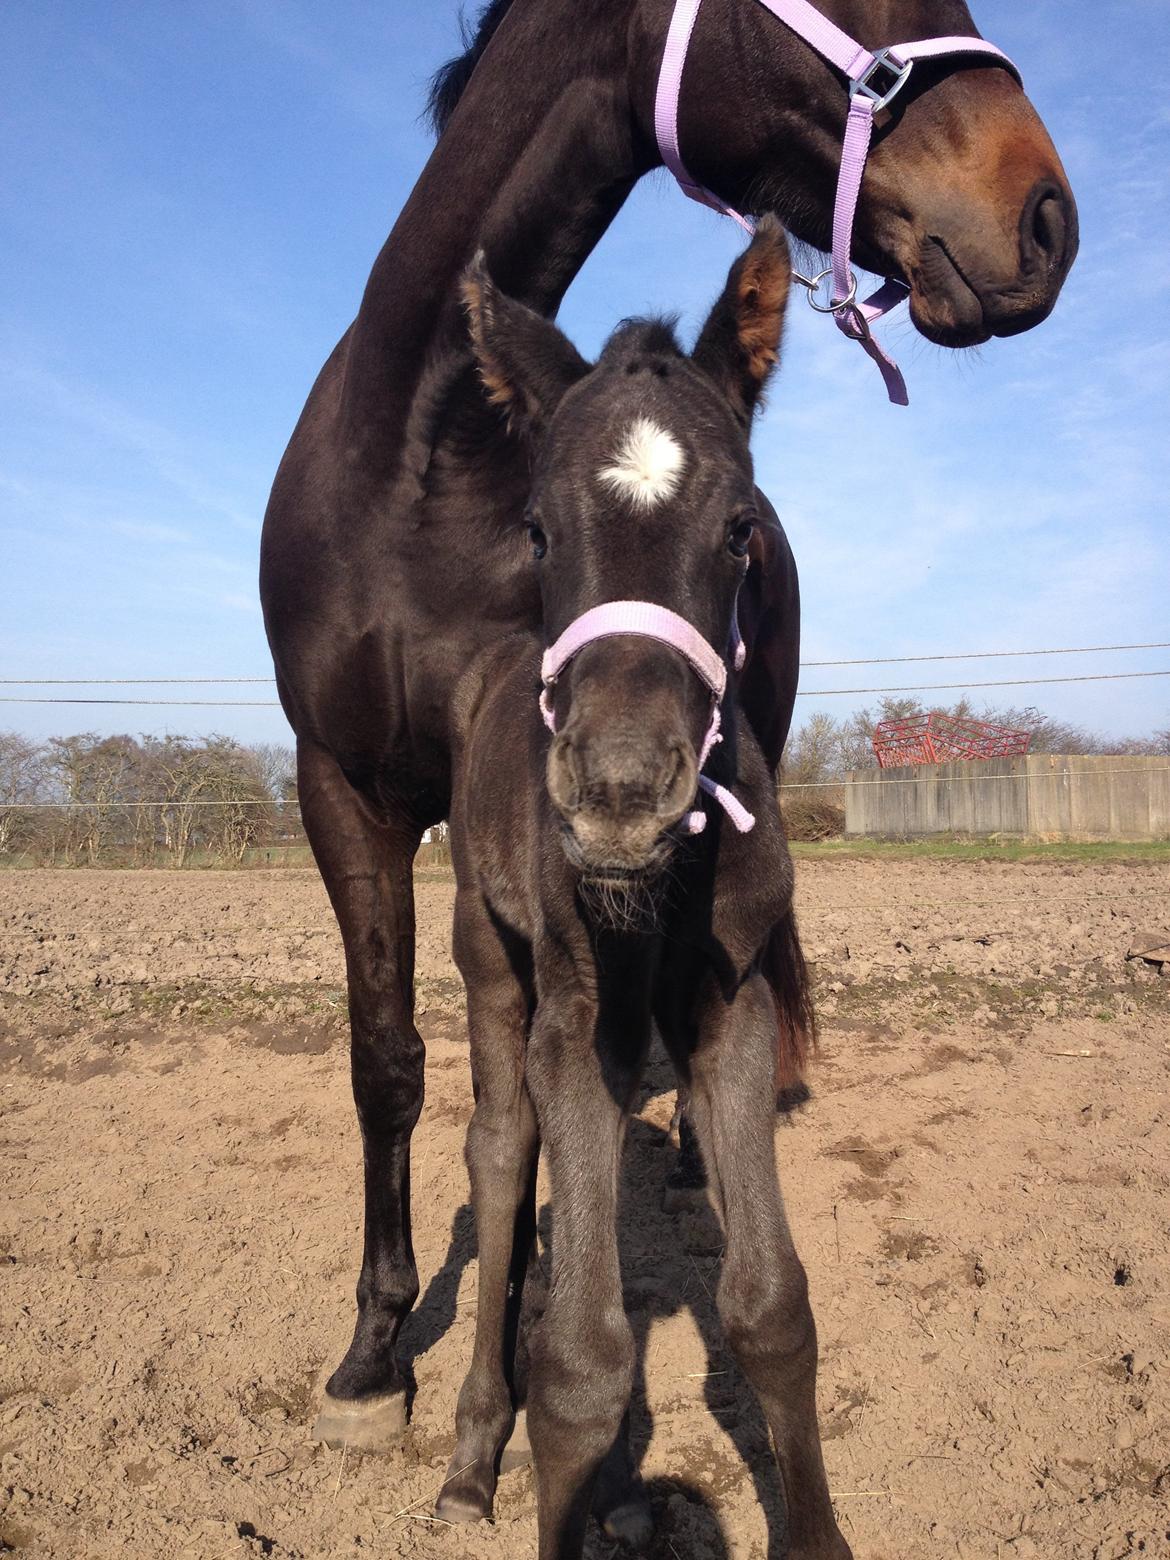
1045, 226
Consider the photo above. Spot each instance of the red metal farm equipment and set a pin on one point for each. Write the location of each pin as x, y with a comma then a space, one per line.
939, 738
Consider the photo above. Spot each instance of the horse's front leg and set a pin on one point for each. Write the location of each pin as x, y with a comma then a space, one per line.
366, 863
501, 1157
763, 1292
583, 1353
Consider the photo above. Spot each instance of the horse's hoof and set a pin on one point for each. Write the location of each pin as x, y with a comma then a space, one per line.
369, 1424
683, 1199
517, 1451
630, 1523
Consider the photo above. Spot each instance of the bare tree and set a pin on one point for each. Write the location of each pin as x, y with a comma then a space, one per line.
97, 775
813, 754
22, 776
242, 810
276, 764
178, 778
214, 794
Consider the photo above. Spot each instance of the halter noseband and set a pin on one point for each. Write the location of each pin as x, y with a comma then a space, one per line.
875, 78
660, 623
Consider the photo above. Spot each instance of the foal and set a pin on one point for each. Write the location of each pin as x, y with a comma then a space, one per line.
621, 861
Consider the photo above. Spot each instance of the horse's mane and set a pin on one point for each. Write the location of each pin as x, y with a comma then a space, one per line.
449, 80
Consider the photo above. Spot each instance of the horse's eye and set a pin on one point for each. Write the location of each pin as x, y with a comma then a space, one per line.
740, 538
538, 539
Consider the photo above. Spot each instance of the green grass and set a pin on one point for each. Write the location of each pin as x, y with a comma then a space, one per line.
1142, 852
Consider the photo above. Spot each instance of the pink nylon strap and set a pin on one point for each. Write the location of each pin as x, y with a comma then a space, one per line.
650, 621
823, 35
674, 57
855, 320
857, 63
635, 617
742, 820
935, 48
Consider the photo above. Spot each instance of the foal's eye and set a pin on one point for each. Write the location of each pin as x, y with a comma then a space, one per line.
538, 540
740, 537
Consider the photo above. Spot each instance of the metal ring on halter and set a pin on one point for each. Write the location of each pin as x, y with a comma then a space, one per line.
835, 306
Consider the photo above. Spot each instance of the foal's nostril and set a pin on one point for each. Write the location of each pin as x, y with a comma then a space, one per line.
1047, 227
676, 784
564, 781
669, 777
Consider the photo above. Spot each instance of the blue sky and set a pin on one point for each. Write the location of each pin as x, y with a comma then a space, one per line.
192, 200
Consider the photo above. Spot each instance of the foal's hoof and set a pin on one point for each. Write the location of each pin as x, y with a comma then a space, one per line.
792, 1096
686, 1183
369, 1424
683, 1199
517, 1451
467, 1493
630, 1523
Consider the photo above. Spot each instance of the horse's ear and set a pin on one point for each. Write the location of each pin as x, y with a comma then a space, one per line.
525, 362
740, 343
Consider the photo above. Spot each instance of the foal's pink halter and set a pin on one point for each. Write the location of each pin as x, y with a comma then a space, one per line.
875, 78
654, 622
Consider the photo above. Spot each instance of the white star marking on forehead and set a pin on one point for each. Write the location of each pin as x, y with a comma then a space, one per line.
647, 467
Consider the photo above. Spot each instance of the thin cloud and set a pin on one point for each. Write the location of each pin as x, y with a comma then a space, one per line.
149, 532
160, 449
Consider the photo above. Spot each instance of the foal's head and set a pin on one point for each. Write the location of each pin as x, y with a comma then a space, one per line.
642, 490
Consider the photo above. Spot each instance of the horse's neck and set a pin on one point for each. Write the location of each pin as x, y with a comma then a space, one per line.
539, 155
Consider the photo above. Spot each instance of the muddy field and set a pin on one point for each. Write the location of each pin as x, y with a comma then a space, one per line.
979, 1191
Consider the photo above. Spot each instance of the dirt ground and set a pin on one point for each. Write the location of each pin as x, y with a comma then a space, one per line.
979, 1192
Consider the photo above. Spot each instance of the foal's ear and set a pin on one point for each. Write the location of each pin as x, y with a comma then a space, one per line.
525, 362
740, 342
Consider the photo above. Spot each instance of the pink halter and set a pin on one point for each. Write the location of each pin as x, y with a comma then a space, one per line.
875, 79
654, 622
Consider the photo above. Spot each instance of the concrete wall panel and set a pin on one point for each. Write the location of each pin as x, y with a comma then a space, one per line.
1043, 796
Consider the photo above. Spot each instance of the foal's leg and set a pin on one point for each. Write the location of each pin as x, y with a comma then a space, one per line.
366, 862
763, 1293
501, 1157
583, 1353
793, 1035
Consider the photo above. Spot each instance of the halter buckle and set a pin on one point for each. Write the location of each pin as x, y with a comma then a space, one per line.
891, 73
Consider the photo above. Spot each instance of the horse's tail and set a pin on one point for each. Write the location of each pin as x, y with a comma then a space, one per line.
796, 1026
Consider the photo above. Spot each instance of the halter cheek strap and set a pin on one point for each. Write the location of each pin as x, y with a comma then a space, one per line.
649, 621
875, 78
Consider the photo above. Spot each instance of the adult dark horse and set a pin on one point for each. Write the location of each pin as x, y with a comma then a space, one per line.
394, 547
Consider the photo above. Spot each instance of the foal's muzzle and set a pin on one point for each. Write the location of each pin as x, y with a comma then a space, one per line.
654, 782
619, 794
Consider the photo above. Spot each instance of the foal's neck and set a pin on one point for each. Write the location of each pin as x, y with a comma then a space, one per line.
539, 155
